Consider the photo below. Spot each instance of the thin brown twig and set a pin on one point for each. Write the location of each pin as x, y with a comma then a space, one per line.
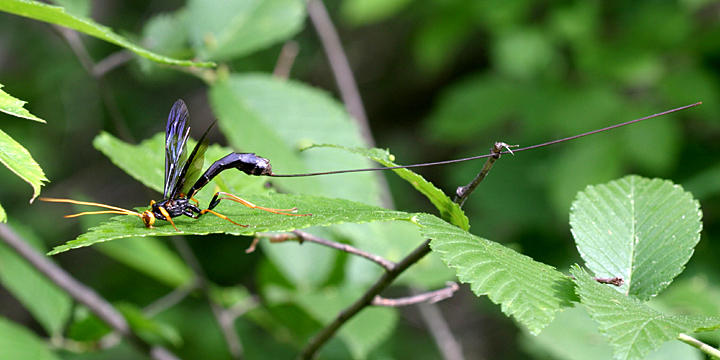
463, 192
76, 45
345, 81
366, 299
340, 66
285, 61
222, 316
81, 293
302, 236
430, 297
449, 347
111, 62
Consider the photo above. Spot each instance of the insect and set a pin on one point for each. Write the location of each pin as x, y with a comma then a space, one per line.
181, 170
183, 178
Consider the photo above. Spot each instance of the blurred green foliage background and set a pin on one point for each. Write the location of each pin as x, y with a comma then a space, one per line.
440, 79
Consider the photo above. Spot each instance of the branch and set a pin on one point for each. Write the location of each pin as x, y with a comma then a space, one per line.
301, 236
449, 347
222, 316
385, 280
700, 345
81, 293
285, 61
340, 66
463, 192
430, 297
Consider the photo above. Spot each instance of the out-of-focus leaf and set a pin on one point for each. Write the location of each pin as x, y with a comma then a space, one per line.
166, 34
145, 162
16, 158
324, 212
440, 39
149, 256
449, 210
222, 30
524, 53
276, 119
57, 15
86, 326
466, 109
150, 330
43, 299
589, 161
3, 215
690, 85
17, 342
362, 333
361, 12
75, 7
638, 229
15, 107
629, 325
704, 184
643, 142
574, 335
530, 291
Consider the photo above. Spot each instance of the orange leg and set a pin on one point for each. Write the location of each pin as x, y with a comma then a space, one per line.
237, 199
220, 216
167, 217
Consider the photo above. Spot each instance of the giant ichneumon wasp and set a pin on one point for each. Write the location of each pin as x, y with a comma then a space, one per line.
181, 170
183, 177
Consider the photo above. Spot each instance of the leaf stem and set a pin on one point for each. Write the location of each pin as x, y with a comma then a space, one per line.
285, 61
429, 297
81, 293
707, 349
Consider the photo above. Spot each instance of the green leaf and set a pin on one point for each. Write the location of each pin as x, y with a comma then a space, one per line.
15, 107
17, 342
449, 210
276, 119
629, 325
574, 335
530, 291
362, 333
150, 330
324, 212
75, 7
223, 30
362, 12
49, 305
16, 158
3, 215
149, 256
57, 15
145, 162
642, 230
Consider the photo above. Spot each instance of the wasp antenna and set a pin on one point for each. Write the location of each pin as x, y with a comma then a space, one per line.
88, 203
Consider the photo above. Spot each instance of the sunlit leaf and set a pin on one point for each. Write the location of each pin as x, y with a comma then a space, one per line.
527, 290
642, 230
75, 7
17, 342
223, 30
629, 325
3, 215
49, 305
15, 107
574, 335
16, 158
324, 212
58, 16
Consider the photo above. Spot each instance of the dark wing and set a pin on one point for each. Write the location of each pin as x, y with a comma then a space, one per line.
176, 135
191, 171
